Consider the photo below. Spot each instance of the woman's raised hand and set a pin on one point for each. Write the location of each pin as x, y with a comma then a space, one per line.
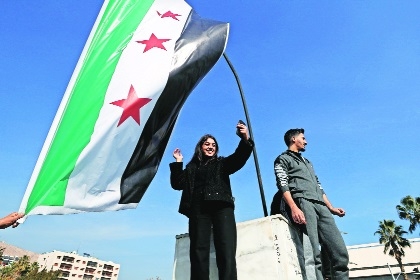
177, 155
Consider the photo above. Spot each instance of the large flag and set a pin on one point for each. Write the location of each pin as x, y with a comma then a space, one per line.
140, 63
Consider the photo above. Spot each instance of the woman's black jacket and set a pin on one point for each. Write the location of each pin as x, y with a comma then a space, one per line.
218, 187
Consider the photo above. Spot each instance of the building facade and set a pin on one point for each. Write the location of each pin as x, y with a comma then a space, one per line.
76, 267
368, 261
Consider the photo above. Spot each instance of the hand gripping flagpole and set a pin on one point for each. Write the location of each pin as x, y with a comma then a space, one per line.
257, 167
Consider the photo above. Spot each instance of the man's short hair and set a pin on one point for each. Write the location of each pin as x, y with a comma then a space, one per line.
291, 133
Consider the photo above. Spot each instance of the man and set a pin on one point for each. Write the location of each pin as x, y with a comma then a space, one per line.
309, 206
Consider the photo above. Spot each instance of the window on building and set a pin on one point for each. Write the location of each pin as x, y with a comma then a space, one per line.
66, 266
87, 277
68, 259
106, 273
64, 273
92, 264
89, 270
108, 267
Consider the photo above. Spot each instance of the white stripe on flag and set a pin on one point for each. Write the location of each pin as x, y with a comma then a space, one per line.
94, 184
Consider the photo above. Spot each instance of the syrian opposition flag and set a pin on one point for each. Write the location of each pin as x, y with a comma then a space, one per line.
140, 63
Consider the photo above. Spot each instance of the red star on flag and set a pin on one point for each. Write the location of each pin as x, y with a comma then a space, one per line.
153, 42
131, 106
169, 14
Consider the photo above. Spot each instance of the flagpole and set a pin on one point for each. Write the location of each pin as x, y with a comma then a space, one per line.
257, 167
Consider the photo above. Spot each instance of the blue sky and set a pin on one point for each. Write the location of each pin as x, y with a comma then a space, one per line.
346, 71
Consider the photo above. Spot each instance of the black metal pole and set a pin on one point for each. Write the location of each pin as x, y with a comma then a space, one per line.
257, 167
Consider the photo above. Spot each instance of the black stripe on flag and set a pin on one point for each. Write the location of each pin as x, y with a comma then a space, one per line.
190, 66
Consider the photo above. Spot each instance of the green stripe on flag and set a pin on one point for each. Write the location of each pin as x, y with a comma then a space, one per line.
114, 31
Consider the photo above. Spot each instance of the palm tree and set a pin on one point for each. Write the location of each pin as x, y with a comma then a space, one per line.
391, 236
410, 210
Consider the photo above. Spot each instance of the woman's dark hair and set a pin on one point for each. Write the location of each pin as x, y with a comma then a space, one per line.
198, 152
291, 133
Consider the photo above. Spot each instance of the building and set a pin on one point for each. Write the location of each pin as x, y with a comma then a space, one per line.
12, 253
73, 266
368, 261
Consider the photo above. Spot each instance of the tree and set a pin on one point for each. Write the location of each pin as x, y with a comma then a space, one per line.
35, 274
410, 210
391, 236
1, 253
23, 269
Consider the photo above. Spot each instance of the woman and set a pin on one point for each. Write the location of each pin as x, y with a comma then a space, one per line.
208, 202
